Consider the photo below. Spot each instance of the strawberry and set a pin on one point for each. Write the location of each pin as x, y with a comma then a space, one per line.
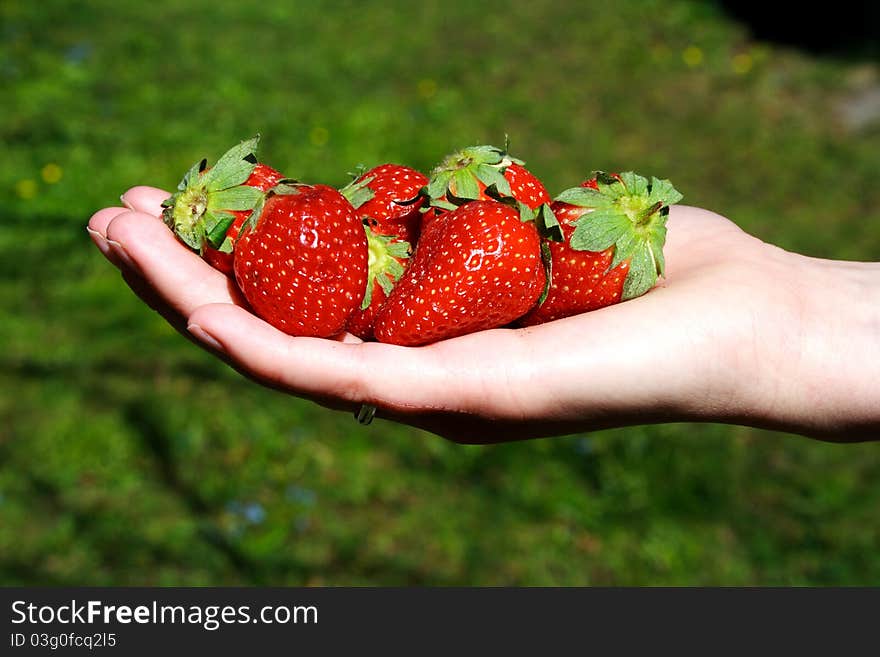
487, 173
614, 229
478, 268
211, 204
263, 178
387, 258
301, 259
388, 200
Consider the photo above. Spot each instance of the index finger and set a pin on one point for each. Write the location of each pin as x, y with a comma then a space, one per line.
145, 199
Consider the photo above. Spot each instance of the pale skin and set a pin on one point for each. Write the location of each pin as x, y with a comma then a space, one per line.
739, 332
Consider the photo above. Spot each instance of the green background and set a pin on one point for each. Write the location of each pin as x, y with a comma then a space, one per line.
128, 456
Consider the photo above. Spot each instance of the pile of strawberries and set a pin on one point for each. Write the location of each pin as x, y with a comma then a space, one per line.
408, 259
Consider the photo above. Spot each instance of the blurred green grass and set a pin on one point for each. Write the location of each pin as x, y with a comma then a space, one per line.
127, 456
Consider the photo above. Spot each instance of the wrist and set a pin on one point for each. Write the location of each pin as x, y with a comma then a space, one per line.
822, 365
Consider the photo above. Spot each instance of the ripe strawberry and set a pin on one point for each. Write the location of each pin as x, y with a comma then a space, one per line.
387, 258
487, 173
301, 259
388, 200
478, 268
263, 178
210, 206
614, 228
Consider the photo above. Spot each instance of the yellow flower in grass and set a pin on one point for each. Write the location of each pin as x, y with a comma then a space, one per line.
26, 189
319, 136
692, 56
51, 173
427, 88
742, 63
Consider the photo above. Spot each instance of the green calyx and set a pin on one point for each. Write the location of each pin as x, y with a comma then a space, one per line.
357, 191
543, 216
384, 255
284, 187
457, 178
200, 211
547, 262
627, 212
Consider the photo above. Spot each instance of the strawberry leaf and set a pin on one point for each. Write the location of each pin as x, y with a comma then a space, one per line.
234, 167
491, 176
191, 176
548, 224
609, 185
485, 154
663, 191
454, 199
437, 186
465, 185
392, 274
525, 212
251, 222
216, 225
368, 294
656, 240
642, 274
234, 198
625, 248
287, 187
194, 238
584, 197
385, 254
443, 205
357, 192
226, 246
635, 184
547, 261
598, 230
605, 178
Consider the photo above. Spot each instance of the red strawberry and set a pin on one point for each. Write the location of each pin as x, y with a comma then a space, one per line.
478, 268
388, 200
525, 186
387, 197
301, 260
387, 261
614, 228
263, 178
211, 204
486, 173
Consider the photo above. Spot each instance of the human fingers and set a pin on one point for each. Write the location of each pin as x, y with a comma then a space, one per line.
180, 278
352, 372
97, 230
443, 389
145, 199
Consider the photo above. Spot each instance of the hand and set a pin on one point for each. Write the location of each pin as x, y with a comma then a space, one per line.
739, 331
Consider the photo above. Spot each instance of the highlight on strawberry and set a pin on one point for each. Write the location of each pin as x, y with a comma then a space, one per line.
301, 259
477, 268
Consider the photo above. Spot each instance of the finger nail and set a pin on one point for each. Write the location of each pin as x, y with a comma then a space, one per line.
100, 241
205, 338
122, 255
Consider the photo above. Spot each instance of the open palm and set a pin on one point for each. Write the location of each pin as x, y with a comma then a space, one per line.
680, 352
